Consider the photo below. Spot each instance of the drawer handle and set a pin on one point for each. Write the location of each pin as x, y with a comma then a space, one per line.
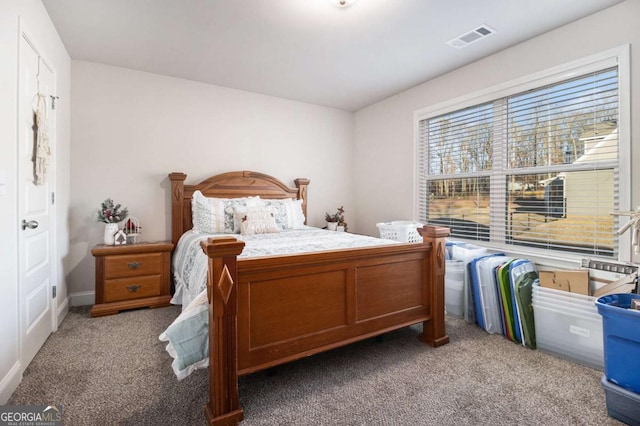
134, 265
133, 288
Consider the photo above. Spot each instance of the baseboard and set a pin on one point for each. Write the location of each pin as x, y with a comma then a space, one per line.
63, 310
9, 383
82, 298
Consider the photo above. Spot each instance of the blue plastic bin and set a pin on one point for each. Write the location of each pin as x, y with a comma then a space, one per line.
621, 335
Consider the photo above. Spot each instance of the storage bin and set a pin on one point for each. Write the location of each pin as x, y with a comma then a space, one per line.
485, 292
454, 288
622, 404
621, 327
574, 297
449, 246
569, 310
405, 231
588, 309
567, 329
467, 252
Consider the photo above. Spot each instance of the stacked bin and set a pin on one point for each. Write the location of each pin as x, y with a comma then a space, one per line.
568, 325
621, 334
454, 288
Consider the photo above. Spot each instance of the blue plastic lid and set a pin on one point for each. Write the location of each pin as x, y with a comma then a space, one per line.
618, 304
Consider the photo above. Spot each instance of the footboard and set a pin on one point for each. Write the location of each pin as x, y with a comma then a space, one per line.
268, 311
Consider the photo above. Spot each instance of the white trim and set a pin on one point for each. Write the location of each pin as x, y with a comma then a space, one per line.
62, 311
416, 168
608, 58
24, 33
51, 172
624, 147
10, 382
19, 308
618, 56
82, 298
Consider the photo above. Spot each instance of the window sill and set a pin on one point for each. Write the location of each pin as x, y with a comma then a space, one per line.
540, 258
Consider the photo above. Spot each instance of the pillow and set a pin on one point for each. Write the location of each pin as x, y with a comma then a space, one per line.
256, 221
246, 204
215, 215
288, 212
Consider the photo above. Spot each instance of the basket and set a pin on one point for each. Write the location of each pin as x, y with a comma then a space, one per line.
405, 231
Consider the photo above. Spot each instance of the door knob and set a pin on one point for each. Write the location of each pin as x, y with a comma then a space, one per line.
32, 224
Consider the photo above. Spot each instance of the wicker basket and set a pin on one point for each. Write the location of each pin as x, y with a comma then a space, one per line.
405, 231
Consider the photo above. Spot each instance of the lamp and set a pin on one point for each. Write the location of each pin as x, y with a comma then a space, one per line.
342, 3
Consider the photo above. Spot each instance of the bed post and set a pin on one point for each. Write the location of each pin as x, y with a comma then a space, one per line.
223, 407
433, 331
302, 184
177, 208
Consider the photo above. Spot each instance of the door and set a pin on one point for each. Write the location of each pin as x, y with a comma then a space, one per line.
37, 313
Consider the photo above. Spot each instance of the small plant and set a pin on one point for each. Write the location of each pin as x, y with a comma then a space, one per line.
111, 213
338, 216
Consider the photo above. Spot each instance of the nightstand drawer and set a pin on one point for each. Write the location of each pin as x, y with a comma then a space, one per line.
132, 276
131, 288
132, 265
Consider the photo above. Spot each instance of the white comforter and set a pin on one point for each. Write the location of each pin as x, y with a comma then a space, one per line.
190, 263
188, 335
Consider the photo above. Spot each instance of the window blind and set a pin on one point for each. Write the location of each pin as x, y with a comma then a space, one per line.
537, 168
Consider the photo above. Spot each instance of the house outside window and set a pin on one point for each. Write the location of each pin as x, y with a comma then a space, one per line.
535, 165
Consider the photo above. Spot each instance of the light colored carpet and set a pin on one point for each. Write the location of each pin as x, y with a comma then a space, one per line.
114, 371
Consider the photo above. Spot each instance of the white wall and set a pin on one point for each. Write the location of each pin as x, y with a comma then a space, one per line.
384, 139
130, 129
35, 17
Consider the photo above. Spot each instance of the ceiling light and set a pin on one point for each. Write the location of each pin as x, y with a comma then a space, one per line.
342, 3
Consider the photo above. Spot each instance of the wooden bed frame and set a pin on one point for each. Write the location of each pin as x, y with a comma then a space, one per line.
268, 311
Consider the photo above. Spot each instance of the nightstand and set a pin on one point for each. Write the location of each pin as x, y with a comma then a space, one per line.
132, 276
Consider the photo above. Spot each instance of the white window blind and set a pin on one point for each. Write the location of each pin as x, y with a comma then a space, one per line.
537, 168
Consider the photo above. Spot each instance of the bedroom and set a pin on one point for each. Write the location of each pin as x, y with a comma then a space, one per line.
142, 125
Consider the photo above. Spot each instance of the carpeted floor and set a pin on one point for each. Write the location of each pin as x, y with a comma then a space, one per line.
114, 371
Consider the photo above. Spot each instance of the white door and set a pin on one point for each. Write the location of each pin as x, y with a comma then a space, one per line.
34, 207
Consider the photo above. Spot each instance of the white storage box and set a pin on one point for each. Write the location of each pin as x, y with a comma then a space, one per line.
568, 326
405, 231
454, 288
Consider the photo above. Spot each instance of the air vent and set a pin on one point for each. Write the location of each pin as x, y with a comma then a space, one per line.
471, 36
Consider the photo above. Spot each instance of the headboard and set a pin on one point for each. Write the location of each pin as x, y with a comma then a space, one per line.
227, 185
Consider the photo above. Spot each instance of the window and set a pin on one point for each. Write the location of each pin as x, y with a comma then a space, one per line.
537, 166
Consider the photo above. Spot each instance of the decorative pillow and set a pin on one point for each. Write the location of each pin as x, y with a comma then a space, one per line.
256, 221
288, 212
247, 204
215, 215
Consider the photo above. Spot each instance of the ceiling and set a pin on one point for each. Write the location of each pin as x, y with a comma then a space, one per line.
304, 50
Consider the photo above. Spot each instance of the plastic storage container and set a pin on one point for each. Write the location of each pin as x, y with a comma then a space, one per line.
568, 325
621, 327
486, 300
466, 253
622, 404
405, 231
454, 288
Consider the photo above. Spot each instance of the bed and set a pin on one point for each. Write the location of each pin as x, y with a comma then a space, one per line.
269, 310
